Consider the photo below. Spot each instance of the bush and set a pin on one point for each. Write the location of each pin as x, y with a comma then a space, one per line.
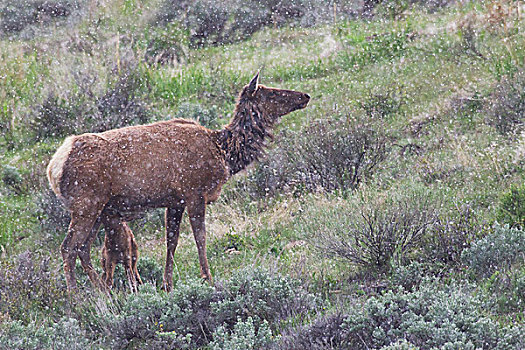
244, 336
149, 270
207, 117
64, 334
169, 44
383, 104
498, 250
204, 19
505, 290
429, 318
82, 110
375, 230
323, 334
17, 15
329, 155
119, 106
432, 316
55, 117
505, 108
451, 234
511, 209
29, 287
12, 180
54, 218
193, 312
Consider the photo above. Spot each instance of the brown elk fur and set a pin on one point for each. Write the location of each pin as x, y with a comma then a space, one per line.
176, 164
120, 247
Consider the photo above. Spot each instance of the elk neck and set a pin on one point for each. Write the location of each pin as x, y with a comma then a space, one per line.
243, 139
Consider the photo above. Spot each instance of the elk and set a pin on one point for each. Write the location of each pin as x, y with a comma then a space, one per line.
175, 164
120, 247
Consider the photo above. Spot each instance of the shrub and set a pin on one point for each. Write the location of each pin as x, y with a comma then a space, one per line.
432, 316
263, 296
451, 234
64, 334
29, 287
17, 15
119, 106
208, 117
383, 104
12, 179
169, 44
375, 230
149, 270
505, 290
329, 155
498, 250
55, 117
204, 19
505, 108
511, 209
54, 218
194, 311
429, 318
322, 334
244, 336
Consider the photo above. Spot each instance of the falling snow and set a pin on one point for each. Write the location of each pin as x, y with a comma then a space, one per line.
262, 174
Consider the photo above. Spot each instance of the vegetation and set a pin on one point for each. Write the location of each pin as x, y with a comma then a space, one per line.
388, 214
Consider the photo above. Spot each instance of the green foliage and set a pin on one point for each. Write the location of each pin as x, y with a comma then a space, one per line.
149, 270
244, 336
498, 250
452, 232
511, 209
53, 217
383, 104
65, 334
432, 316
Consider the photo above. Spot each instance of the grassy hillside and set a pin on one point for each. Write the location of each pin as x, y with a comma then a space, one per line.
388, 214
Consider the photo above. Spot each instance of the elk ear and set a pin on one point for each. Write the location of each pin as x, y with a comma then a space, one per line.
252, 87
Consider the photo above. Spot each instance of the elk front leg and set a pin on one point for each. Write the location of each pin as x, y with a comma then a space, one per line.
173, 218
196, 211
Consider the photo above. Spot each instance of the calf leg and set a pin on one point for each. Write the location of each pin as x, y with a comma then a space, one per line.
196, 211
173, 218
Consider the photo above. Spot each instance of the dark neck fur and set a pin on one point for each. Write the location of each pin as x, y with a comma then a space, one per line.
243, 140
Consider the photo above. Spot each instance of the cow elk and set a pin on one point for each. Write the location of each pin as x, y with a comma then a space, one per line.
176, 164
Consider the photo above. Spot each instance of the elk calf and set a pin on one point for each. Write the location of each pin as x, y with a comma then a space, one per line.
120, 247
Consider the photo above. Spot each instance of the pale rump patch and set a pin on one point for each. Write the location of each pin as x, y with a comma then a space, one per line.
56, 165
